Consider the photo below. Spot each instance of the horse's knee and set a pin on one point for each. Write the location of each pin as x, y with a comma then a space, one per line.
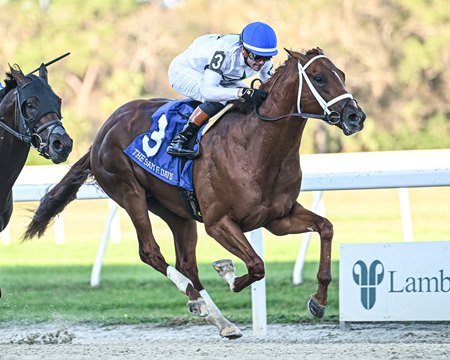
154, 260
256, 270
326, 229
147, 258
143, 257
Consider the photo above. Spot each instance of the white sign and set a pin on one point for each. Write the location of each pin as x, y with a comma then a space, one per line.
395, 282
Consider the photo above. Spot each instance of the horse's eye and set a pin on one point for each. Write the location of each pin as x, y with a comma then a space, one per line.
29, 108
319, 80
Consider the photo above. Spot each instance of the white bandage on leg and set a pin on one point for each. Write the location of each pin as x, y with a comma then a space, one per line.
178, 279
214, 311
216, 318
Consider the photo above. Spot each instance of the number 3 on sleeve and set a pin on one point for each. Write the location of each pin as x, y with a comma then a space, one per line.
217, 61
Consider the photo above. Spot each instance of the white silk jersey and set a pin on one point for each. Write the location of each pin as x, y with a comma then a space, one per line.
212, 69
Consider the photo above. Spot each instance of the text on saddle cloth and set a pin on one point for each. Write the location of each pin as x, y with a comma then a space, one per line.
149, 150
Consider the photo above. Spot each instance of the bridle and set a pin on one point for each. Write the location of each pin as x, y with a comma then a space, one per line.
331, 117
48, 103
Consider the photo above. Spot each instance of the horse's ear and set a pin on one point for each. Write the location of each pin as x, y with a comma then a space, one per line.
320, 51
17, 74
43, 73
289, 53
293, 54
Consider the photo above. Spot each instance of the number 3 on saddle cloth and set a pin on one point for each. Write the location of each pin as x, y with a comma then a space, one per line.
149, 150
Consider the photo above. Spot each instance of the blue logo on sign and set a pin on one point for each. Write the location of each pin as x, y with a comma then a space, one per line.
368, 280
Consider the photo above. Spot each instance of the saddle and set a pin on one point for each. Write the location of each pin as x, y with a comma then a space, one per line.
148, 150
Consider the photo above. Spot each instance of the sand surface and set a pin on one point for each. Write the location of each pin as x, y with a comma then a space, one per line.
302, 341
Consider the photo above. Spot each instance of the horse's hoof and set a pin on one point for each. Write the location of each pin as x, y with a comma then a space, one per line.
198, 307
223, 266
315, 308
230, 332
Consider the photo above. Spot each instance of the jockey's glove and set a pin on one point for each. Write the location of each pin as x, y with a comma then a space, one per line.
254, 96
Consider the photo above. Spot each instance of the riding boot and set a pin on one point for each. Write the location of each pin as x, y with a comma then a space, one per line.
182, 145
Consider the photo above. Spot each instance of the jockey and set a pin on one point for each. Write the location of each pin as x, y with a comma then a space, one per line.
211, 70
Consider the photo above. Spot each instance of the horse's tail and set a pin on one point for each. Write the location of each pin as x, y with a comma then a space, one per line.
58, 197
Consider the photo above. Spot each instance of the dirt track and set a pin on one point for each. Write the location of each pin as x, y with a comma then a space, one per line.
304, 341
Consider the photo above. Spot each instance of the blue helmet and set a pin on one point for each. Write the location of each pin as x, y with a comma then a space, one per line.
260, 39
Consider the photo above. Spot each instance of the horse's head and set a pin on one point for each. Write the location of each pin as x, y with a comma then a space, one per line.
35, 111
325, 92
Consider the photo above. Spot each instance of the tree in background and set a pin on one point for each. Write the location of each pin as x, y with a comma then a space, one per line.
395, 54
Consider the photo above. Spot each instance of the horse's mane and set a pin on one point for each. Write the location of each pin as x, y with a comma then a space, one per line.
10, 82
247, 107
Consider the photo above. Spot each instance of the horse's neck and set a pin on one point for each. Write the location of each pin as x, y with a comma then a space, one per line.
283, 137
8, 113
277, 141
13, 152
7, 108
11, 148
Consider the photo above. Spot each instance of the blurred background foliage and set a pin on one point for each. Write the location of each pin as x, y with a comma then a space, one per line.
395, 54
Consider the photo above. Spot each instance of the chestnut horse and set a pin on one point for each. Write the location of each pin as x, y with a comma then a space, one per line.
248, 177
30, 114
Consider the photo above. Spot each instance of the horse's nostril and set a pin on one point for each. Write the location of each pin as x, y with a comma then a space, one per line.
62, 147
57, 145
356, 117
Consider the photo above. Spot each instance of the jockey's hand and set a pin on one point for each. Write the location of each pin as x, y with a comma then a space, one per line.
254, 96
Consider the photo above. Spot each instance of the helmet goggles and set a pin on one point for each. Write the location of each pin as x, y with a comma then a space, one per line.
258, 58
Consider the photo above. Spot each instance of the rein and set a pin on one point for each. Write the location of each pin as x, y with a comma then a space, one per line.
297, 114
331, 117
21, 137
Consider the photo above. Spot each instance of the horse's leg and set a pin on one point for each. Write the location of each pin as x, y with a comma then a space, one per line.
226, 328
228, 233
301, 220
185, 238
5, 216
129, 194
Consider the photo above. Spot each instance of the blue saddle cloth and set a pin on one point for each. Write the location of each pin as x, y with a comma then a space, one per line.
149, 150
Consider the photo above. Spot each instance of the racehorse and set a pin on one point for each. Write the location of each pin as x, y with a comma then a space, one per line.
30, 114
249, 177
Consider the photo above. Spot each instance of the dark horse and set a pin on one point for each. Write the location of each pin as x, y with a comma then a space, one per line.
248, 177
30, 114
